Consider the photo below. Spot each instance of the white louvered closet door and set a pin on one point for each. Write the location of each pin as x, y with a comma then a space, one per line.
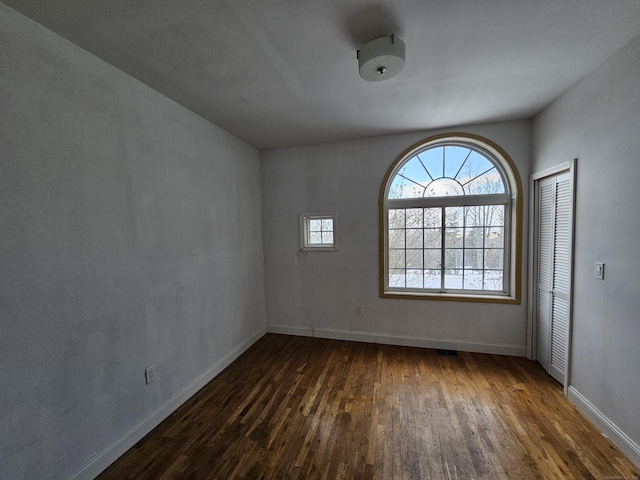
554, 215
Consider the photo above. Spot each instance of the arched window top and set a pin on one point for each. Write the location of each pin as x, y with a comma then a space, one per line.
447, 169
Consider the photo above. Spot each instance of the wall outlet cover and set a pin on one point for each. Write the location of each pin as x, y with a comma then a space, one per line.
149, 374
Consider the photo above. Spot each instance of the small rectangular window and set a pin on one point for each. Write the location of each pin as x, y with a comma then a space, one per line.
318, 231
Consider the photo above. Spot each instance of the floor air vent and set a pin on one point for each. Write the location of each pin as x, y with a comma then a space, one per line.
446, 353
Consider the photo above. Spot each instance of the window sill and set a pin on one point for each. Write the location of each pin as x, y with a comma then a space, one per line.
456, 297
318, 249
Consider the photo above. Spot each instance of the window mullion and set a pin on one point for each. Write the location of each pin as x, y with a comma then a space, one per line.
484, 245
464, 250
423, 247
405, 248
442, 246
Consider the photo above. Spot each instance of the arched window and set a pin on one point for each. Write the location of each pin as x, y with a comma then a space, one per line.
451, 222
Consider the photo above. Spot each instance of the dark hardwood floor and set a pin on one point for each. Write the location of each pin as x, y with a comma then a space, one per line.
306, 408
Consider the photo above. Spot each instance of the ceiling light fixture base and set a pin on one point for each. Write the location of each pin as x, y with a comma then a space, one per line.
381, 59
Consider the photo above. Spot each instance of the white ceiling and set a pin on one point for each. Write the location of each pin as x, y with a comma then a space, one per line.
284, 72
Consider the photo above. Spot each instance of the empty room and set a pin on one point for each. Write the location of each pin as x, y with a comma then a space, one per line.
291, 239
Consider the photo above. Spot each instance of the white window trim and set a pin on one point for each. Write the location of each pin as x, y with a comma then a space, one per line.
304, 231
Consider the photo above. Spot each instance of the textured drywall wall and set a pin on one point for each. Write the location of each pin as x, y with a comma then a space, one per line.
316, 293
598, 122
130, 235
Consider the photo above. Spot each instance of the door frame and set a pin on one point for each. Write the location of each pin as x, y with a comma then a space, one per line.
532, 327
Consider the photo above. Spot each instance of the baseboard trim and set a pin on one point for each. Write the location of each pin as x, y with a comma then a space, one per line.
111, 453
609, 429
402, 340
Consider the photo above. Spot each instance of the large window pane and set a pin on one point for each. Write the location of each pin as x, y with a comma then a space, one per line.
402, 187
432, 159
473, 258
414, 278
494, 237
494, 216
473, 237
433, 238
454, 217
397, 277
414, 258
453, 279
493, 280
415, 171
454, 157
473, 279
396, 218
432, 279
494, 258
414, 217
454, 237
396, 238
474, 216
453, 258
474, 166
485, 184
432, 217
433, 259
414, 238
396, 259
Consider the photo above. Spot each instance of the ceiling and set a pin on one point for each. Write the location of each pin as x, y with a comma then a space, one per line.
278, 73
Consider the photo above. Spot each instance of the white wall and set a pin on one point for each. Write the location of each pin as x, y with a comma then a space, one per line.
315, 293
130, 235
598, 121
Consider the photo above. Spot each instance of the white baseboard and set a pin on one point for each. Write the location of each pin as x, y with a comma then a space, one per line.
609, 429
403, 340
110, 454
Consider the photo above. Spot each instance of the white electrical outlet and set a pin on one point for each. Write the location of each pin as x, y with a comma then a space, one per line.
149, 374
599, 271
359, 309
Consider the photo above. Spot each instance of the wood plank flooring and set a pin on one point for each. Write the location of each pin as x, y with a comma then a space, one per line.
306, 408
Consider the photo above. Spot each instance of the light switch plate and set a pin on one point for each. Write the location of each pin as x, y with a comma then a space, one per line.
599, 271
